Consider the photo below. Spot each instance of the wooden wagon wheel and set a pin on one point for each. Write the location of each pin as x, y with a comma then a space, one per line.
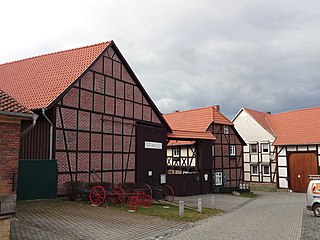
147, 189
167, 193
133, 203
146, 200
118, 195
97, 195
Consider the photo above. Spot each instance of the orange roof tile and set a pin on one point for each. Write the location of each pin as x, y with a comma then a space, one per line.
196, 119
9, 104
260, 117
36, 82
190, 135
179, 143
296, 127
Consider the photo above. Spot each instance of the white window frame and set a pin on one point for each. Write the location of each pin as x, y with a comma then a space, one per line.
262, 148
226, 130
232, 150
176, 152
253, 144
218, 178
252, 167
263, 172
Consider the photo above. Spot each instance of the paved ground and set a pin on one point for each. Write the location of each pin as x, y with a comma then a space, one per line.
311, 226
69, 220
270, 216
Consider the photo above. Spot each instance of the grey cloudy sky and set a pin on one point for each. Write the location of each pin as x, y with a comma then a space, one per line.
259, 54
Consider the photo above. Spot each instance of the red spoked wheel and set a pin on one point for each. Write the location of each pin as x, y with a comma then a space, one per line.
118, 195
147, 189
97, 195
133, 203
146, 201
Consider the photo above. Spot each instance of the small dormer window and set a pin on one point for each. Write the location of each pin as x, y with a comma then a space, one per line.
226, 130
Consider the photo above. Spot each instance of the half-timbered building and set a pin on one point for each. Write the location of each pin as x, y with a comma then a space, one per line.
214, 160
259, 160
296, 146
94, 115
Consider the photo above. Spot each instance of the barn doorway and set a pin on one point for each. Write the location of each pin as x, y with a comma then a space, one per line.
151, 148
300, 166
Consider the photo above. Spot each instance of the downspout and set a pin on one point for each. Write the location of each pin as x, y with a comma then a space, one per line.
34, 121
51, 132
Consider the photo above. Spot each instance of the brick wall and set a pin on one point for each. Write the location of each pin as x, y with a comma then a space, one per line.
9, 157
9, 154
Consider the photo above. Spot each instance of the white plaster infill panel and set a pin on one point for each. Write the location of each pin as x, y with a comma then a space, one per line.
282, 161
282, 172
302, 148
283, 183
312, 148
247, 177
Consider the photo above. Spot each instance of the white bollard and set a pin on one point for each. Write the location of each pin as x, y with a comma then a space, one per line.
181, 208
212, 202
199, 205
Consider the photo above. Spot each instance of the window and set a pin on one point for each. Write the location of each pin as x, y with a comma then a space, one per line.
253, 148
226, 130
212, 150
232, 150
176, 152
218, 178
266, 170
265, 147
254, 169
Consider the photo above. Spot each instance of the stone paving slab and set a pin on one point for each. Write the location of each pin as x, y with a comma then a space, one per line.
225, 202
271, 216
311, 226
57, 219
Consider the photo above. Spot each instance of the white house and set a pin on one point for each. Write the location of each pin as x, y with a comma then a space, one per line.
293, 139
259, 156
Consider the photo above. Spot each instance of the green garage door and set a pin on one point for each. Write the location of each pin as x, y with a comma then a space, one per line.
37, 179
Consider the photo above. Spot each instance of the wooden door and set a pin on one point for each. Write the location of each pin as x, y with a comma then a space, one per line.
151, 150
300, 166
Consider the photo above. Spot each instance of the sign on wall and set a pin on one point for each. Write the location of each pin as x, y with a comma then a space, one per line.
152, 145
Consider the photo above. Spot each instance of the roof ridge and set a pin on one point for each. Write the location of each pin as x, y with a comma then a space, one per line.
189, 110
296, 110
179, 130
214, 109
52, 53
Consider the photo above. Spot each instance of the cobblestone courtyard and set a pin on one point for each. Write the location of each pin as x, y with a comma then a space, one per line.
270, 216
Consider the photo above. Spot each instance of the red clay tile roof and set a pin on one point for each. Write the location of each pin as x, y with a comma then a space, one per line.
179, 143
9, 104
36, 82
196, 119
260, 117
178, 134
296, 127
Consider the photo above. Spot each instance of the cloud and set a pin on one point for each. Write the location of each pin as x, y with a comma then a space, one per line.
258, 54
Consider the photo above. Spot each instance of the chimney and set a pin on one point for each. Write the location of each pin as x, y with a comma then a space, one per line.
217, 107
176, 110
268, 112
